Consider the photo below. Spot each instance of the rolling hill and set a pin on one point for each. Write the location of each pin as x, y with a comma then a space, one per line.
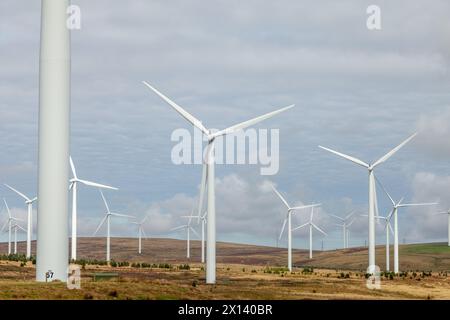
430, 256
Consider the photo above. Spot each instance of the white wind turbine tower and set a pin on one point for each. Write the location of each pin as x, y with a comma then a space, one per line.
394, 214
9, 223
29, 203
73, 186
107, 218
208, 173
373, 206
52, 252
344, 225
311, 225
347, 232
290, 211
141, 232
388, 229
448, 228
188, 229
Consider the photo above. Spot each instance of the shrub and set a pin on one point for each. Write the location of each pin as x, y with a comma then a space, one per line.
184, 267
308, 270
113, 294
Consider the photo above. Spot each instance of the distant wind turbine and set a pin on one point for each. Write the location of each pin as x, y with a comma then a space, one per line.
15, 228
393, 213
203, 221
345, 223
29, 203
290, 211
188, 229
141, 232
311, 225
208, 173
73, 186
373, 206
10, 222
107, 218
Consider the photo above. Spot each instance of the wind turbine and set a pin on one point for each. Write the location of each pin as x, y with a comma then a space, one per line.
203, 220
141, 232
208, 173
394, 214
344, 225
290, 211
448, 228
188, 229
73, 186
29, 203
107, 218
15, 227
373, 206
311, 225
9, 223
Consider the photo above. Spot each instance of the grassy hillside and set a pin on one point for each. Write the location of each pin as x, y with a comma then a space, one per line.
429, 256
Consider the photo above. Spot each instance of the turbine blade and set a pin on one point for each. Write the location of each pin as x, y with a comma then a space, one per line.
334, 216
180, 110
195, 232
202, 190
4, 226
318, 229
178, 228
375, 197
352, 159
307, 206
299, 227
97, 185
384, 189
282, 229
74, 172
417, 204
143, 233
390, 228
250, 122
7, 208
121, 215
145, 219
100, 225
351, 222
350, 214
280, 196
393, 151
389, 216
104, 200
19, 193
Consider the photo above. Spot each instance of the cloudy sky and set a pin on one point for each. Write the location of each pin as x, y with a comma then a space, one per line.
359, 91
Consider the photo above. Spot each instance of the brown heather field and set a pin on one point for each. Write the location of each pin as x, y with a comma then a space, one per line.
244, 272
